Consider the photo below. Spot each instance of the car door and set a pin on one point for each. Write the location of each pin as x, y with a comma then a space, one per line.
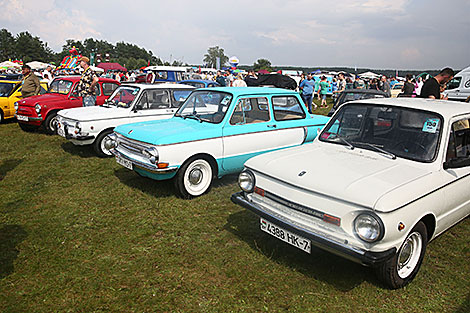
249, 131
153, 104
456, 180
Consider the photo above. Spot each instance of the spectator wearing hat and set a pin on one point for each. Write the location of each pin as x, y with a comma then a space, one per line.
31, 85
87, 83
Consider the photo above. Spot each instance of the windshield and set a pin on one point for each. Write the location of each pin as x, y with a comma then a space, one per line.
123, 96
61, 86
5, 89
207, 106
401, 132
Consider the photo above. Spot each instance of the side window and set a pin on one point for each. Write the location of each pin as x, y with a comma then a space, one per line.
108, 88
459, 141
287, 108
158, 99
250, 110
97, 90
179, 96
143, 103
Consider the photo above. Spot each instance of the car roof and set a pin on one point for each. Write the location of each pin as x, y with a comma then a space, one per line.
10, 81
153, 86
253, 90
444, 107
199, 81
76, 78
371, 91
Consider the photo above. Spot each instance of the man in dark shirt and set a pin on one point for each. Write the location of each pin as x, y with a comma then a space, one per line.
31, 85
431, 88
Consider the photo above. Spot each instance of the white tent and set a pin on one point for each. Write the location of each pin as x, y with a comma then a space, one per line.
36, 65
9, 64
96, 69
369, 75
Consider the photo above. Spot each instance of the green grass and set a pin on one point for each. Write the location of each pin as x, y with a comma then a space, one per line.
83, 234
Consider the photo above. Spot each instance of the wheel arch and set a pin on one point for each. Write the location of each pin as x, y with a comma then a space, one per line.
429, 221
207, 157
105, 130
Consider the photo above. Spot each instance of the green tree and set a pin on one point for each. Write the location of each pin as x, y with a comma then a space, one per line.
210, 58
7, 45
30, 48
262, 64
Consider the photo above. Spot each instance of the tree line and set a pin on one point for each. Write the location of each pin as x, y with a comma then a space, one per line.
26, 47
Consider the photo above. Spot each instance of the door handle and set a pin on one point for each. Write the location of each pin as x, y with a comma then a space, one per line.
272, 126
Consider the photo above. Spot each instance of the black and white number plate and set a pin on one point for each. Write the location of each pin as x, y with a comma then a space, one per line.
22, 118
127, 164
286, 236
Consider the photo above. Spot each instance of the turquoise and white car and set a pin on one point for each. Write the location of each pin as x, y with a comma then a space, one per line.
212, 134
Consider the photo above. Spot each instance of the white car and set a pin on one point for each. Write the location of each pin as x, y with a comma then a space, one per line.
128, 104
383, 178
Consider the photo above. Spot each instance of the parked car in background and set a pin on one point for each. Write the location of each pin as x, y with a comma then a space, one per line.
459, 87
355, 94
383, 179
396, 90
212, 134
129, 103
200, 83
162, 74
35, 111
10, 92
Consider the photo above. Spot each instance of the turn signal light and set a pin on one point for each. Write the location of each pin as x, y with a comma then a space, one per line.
332, 219
162, 165
259, 191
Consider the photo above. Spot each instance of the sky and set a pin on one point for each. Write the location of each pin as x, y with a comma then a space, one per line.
380, 34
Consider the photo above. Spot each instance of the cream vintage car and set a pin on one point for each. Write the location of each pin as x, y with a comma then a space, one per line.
129, 103
383, 178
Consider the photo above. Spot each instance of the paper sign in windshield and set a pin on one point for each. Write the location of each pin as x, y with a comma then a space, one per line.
431, 125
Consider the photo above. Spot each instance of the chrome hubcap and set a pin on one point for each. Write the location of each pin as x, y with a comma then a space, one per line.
409, 255
195, 176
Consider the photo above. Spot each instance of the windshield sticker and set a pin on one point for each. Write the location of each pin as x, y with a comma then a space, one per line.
326, 135
431, 125
226, 100
135, 91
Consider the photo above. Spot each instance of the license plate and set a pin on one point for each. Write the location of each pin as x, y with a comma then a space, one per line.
127, 164
22, 118
286, 236
60, 132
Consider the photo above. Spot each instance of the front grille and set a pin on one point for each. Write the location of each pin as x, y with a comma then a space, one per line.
132, 147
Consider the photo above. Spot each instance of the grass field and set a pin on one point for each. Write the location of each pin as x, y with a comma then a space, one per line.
83, 234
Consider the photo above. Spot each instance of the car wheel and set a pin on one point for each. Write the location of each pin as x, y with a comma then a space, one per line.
99, 147
1, 116
194, 178
403, 267
27, 127
50, 123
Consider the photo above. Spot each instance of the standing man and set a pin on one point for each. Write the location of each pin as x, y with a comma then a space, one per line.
220, 79
385, 85
324, 85
47, 74
31, 85
431, 88
87, 83
307, 86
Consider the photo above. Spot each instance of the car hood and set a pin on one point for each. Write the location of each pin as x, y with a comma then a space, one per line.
171, 131
46, 98
94, 113
357, 176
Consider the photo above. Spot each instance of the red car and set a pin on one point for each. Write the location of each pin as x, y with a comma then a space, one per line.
39, 110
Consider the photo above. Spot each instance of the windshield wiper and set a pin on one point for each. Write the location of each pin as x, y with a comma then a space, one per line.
393, 156
193, 116
350, 146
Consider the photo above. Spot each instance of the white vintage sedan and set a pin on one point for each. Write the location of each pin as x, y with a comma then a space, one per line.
128, 104
384, 177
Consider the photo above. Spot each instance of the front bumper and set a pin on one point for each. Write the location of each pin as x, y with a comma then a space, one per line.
144, 166
360, 256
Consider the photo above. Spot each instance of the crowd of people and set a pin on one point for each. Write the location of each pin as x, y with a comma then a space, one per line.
308, 87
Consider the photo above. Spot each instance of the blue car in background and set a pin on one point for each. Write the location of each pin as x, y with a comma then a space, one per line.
212, 134
200, 83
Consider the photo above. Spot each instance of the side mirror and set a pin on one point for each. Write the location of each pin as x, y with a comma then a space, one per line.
457, 163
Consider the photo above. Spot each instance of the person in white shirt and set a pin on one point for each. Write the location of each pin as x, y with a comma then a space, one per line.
47, 74
239, 82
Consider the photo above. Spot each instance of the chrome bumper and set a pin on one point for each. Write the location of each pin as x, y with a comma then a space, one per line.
361, 256
144, 166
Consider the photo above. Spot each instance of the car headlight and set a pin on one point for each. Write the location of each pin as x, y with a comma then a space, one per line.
152, 154
37, 107
368, 227
246, 181
16, 107
110, 141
